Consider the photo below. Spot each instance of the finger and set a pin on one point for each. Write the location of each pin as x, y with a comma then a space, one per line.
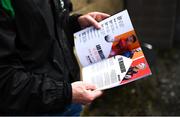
97, 93
102, 15
99, 18
90, 87
93, 22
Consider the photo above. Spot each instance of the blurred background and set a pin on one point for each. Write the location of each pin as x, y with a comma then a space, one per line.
157, 23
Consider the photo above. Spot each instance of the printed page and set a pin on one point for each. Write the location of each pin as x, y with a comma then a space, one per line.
108, 73
93, 45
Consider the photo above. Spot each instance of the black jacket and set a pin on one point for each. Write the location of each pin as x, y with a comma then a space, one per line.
36, 59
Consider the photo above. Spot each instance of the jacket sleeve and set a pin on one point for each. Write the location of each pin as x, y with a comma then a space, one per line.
72, 22
21, 91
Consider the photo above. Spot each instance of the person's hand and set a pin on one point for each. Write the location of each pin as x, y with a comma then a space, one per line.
84, 93
92, 19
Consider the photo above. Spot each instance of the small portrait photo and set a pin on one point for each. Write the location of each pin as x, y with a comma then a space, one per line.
109, 38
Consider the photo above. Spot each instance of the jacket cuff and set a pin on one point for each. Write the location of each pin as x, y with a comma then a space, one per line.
74, 24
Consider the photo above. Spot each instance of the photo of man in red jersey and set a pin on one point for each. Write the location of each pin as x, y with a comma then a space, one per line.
120, 45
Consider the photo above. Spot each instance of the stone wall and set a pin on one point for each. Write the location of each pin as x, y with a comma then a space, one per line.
154, 20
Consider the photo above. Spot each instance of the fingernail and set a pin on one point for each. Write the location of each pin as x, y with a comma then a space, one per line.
99, 26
